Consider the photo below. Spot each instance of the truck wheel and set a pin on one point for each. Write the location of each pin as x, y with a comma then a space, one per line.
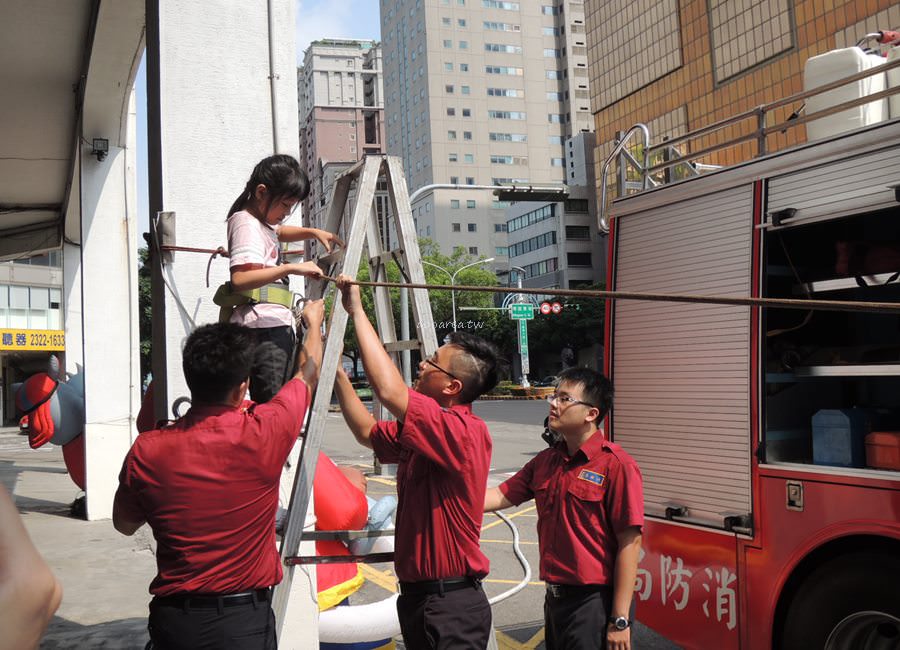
851, 602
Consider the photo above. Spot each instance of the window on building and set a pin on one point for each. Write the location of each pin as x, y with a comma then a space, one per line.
445, 21
501, 250
551, 53
470, 204
467, 112
452, 157
448, 43
469, 158
467, 135
466, 90
455, 227
454, 180
473, 250
472, 227
578, 232
464, 45
454, 203
499, 227
556, 118
470, 180
451, 112
448, 66
451, 135
578, 259
461, 22
463, 67
449, 89
557, 162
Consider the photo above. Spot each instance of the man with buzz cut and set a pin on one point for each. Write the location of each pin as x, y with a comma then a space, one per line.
443, 452
590, 510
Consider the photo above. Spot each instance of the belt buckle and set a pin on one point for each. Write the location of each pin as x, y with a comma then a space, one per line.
555, 590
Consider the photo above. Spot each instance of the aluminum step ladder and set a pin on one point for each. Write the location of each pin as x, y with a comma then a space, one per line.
363, 229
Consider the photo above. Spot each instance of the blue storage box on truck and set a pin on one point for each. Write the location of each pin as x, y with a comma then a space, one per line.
839, 437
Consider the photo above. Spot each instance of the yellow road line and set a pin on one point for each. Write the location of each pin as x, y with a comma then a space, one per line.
506, 541
498, 581
385, 481
512, 516
506, 642
383, 579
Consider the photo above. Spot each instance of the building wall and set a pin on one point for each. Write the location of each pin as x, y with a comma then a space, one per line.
480, 94
679, 65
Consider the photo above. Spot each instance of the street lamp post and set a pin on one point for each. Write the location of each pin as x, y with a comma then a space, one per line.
452, 277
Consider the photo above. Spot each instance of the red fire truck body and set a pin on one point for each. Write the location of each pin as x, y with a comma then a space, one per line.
751, 540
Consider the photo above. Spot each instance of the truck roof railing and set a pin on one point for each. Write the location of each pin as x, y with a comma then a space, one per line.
646, 171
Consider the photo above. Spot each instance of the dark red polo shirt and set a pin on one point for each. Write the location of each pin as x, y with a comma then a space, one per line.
582, 502
444, 455
208, 487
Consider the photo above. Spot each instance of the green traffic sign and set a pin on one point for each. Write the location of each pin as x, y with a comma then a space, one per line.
523, 337
521, 311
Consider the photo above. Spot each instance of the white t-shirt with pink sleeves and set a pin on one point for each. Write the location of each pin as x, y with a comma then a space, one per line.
250, 241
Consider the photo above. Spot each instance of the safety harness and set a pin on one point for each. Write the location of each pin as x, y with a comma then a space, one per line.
227, 298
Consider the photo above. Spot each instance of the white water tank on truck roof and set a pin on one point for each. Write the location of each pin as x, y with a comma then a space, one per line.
834, 65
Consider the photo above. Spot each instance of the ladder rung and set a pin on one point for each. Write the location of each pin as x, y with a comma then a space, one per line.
344, 535
331, 258
372, 558
399, 346
387, 256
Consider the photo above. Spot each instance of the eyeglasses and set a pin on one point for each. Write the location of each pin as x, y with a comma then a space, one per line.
449, 374
565, 399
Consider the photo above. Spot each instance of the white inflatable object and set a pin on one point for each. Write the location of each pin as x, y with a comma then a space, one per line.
893, 80
360, 623
834, 65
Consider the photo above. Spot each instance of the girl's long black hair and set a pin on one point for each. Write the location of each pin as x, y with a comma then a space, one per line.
282, 176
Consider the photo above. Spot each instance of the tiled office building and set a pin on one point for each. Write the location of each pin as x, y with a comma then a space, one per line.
481, 92
678, 65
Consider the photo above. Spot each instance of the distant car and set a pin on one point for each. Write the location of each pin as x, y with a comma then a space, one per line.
546, 381
24, 425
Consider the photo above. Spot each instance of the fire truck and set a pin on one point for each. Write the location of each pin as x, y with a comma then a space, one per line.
767, 437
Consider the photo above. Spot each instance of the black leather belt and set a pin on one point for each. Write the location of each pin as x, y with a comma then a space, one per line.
427, 587
211, 601
570, 591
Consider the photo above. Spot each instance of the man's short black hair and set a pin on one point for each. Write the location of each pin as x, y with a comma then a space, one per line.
596, 389
476, 367
216, 359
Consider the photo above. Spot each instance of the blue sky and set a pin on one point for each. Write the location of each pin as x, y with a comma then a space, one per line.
315, 19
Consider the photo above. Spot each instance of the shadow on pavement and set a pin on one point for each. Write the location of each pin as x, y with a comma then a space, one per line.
125, 634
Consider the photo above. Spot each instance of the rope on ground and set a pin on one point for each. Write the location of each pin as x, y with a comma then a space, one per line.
520, 557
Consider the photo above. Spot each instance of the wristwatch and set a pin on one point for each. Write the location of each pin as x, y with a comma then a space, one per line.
619, 622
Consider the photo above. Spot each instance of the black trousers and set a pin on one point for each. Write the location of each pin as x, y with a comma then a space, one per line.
455, 620
175, 626
273, 362
575, 617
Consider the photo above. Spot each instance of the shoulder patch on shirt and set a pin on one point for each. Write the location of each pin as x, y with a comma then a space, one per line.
591, 477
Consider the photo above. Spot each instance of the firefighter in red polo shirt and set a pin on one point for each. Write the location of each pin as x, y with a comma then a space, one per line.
208, 486
444, 454
590, 509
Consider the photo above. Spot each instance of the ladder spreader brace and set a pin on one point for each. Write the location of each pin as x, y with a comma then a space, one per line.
364, 228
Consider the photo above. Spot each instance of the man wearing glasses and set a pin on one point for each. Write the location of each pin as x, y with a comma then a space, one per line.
590, 509
444, 454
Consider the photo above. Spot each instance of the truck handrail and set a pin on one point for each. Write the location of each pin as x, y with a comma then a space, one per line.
602, 221
759, 134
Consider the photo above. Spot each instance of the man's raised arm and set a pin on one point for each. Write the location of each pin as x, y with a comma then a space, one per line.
384, 377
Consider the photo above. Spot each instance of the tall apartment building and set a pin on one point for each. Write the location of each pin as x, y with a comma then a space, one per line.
678, 65
481, 92
341, 115
557, 243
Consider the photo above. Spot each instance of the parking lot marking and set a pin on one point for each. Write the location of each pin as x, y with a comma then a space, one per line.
506, 642
510, 516
383, 579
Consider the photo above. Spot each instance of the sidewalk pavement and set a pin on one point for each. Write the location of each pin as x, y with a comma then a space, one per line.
104, 575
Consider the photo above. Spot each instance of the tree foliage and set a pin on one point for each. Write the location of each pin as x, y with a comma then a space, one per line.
145, 313
578, 326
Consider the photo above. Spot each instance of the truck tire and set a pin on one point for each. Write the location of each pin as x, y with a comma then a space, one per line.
850, 602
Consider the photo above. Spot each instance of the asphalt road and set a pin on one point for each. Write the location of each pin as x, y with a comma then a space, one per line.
516, 428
